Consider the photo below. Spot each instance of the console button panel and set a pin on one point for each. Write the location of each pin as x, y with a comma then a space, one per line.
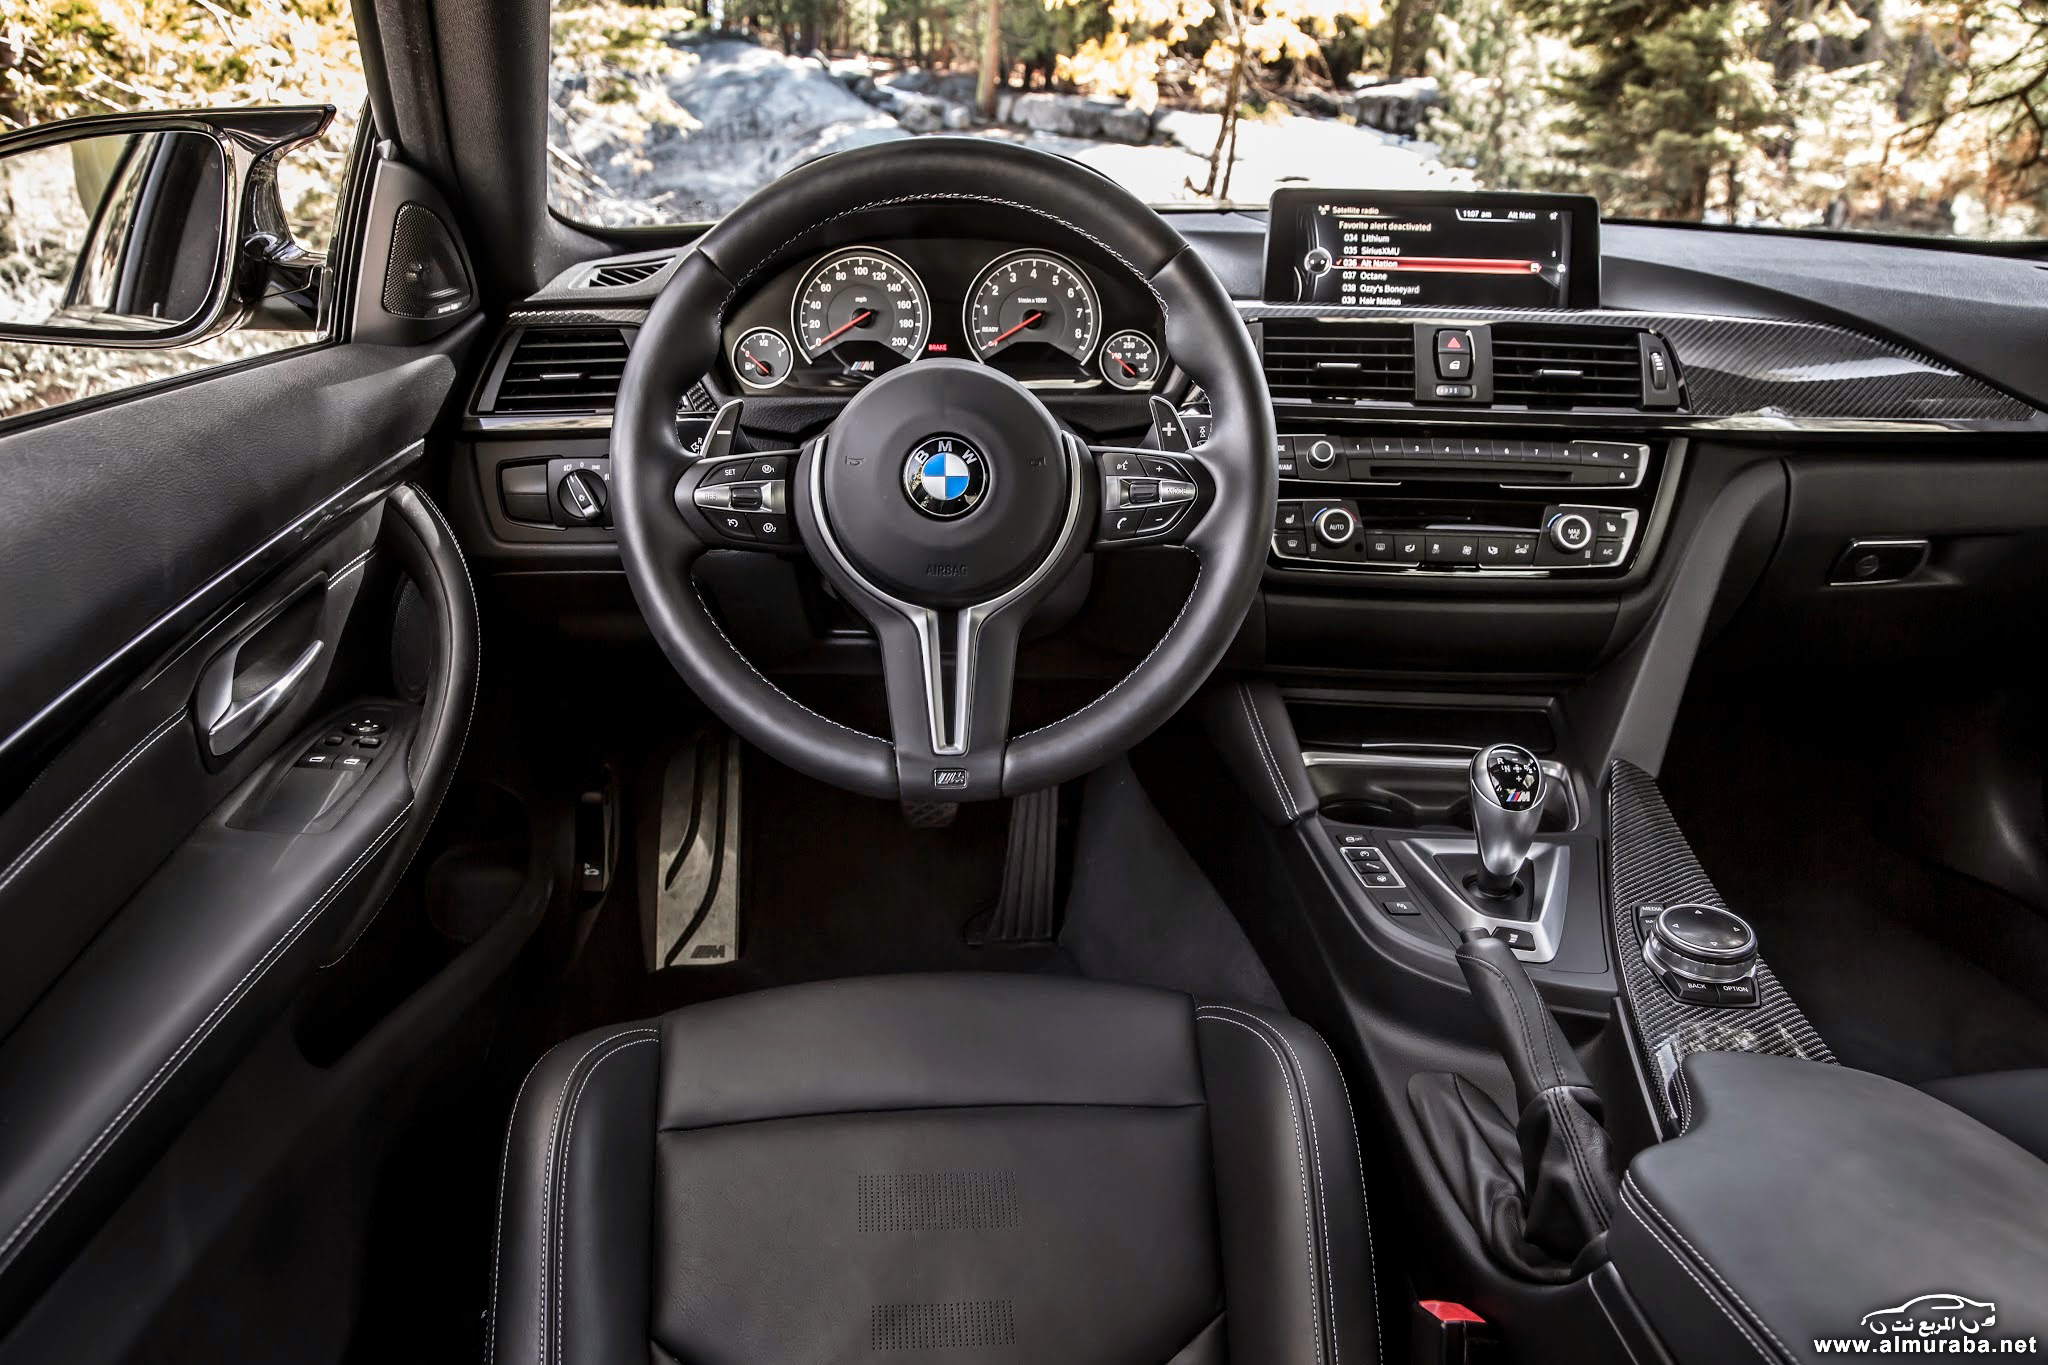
1347, 533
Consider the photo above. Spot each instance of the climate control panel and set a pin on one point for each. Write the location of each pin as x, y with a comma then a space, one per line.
1341, 533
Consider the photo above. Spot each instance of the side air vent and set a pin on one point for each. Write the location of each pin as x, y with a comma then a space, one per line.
626, 272
562, 369
1331, 361
1567, 367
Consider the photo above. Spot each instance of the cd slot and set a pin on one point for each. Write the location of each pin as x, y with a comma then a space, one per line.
1369, 471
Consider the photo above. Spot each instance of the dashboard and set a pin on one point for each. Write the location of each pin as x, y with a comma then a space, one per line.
1505, 468
1049, 318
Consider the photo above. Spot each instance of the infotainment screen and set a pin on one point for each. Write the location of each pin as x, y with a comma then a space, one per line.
1433, 249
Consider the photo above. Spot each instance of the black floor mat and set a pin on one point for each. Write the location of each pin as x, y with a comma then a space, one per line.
832, 885
1907, 968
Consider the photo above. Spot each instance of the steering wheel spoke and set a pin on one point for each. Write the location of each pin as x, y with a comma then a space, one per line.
1149, 497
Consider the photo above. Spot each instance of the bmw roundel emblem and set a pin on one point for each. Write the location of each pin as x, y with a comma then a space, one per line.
945, 477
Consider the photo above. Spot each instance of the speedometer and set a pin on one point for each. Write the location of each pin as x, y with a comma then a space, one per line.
1032, 298
866, 306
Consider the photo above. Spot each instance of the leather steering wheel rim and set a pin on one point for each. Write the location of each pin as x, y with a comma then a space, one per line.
680, 342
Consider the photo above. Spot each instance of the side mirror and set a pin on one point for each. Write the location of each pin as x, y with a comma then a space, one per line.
149, 230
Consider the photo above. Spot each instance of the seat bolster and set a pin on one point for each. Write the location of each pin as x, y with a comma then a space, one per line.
572, 1274
1298, 1274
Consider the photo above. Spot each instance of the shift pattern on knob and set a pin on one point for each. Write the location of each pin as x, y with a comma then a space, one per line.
1513, 776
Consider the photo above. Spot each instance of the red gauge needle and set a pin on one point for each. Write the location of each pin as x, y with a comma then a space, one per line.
1001, 337
1129, 368
763, 366
856, 320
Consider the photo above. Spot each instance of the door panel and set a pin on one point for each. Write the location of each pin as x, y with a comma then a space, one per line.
205, 933
199, 590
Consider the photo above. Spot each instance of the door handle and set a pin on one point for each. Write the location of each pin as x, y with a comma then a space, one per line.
234, 720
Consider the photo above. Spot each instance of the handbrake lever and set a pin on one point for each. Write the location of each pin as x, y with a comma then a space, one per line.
1569, 1183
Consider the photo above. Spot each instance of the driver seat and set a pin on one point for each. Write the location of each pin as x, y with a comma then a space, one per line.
960, 1168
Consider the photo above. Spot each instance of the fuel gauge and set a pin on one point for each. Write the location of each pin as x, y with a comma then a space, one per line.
1130, 360
762, 358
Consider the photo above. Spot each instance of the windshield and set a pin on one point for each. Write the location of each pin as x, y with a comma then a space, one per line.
1893, 116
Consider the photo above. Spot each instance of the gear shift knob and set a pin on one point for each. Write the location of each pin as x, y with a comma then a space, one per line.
1507, 805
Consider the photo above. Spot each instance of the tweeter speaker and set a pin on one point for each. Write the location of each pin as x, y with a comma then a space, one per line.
424, 275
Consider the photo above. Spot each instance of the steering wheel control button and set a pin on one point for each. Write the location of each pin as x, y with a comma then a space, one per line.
733, 525
770, 528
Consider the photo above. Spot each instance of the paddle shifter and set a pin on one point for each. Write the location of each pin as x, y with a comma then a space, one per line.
1507, 805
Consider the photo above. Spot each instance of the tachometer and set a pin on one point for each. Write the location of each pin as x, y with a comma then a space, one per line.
1033, 298
864, 304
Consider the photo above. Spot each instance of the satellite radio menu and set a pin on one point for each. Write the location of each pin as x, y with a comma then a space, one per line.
1418, 250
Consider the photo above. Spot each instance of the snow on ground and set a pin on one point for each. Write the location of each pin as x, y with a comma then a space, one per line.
725, 117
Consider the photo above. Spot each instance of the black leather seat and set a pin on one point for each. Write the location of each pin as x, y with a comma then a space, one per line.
957, 1168
2014, 1103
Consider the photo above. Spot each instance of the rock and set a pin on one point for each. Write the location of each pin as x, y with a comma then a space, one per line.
959, 118
1319, 102
916, 113
1127, 123
1398, 107
1086, 116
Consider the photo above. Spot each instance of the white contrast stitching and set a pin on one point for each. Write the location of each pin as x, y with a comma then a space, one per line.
84, 1160
1308, 1226
547, 1184
497, 1247
763, 262
86, 798
1322, 1185
1643, 1197
1365, 1205
1193, 588
763, 677
562, 1214
1272, 764
1682, 1264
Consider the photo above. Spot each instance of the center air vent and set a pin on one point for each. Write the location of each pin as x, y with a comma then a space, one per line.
1567, 367
626, 272
1330, 361
562, 369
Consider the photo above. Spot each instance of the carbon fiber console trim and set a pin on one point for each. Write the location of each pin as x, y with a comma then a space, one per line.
1650, 863
1761, 373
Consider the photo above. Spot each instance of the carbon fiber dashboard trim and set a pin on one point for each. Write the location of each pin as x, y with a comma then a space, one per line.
1649, 862
576, 317
1757, 373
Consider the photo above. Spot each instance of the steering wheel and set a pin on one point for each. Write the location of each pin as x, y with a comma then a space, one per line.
945, 501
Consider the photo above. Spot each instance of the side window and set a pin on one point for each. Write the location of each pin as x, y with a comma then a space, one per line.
102, 56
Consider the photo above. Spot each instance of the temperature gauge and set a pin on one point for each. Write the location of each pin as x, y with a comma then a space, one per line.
1130, 360
762, 358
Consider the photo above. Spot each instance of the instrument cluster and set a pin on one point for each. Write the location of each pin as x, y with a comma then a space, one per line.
853, 313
